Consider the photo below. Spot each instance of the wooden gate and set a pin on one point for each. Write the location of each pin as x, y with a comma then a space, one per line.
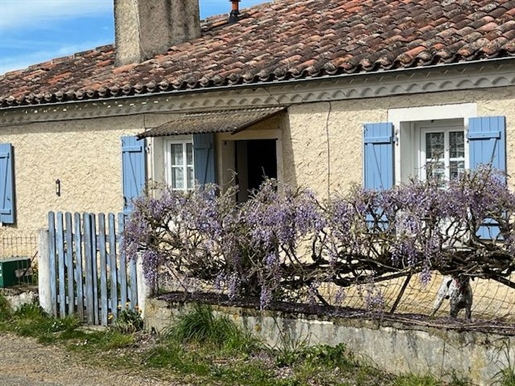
89, 273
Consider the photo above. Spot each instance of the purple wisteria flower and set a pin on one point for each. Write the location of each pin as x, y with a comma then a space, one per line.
283, 243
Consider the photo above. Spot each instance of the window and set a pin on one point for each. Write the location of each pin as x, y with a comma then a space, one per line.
442, 155
183, 161
449, 139
179, 164
424, 136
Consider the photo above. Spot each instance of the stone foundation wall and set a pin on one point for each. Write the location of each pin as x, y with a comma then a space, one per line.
419, 348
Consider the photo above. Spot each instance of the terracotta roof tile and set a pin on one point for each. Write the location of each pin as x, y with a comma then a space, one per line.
287, 39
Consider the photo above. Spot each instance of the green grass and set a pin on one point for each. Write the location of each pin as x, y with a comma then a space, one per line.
201, 348
201, 326
506, 374
30, 320
505, 377
412, 380
128, 321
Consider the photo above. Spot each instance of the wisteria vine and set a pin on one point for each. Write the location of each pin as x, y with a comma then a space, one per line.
282, 244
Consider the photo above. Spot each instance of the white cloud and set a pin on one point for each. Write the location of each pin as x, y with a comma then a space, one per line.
21, 14
32, 31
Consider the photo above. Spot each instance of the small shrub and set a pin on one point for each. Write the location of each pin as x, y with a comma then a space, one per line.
128, 321
197, 326
30, 311
319, 356
31, 320
330, 356
66, 324
290, 350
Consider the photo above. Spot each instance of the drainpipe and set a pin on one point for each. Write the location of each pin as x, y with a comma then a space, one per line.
235, 11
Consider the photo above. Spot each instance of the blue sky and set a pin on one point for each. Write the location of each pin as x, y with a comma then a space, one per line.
34, 31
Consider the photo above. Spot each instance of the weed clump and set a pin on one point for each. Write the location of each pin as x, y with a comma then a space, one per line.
128, 321
5, 308
203, 327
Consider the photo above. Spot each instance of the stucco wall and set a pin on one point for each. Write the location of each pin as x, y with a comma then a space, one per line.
323, 147
84, 155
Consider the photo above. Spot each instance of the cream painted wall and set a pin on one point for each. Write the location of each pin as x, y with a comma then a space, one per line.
323, 145
84, 155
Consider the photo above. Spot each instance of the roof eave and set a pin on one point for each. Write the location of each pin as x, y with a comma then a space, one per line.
264, 84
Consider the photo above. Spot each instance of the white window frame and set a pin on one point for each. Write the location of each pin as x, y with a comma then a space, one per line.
405, 121
184, 141
438, 126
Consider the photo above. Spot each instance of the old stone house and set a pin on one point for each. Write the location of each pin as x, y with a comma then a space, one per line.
318, 93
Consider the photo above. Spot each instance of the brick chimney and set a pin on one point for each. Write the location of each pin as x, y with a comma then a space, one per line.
144, 28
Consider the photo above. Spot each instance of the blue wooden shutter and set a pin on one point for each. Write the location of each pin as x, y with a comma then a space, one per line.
133, 170
7, 208
487, 142
487, 146
378, 165
378, 143
204, 158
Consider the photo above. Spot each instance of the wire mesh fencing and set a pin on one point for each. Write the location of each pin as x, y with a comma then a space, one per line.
18, 258
18, 244
492, 300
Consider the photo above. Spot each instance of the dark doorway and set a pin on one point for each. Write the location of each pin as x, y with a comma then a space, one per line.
255, 160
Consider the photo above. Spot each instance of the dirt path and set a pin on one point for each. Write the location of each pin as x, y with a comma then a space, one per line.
23, 362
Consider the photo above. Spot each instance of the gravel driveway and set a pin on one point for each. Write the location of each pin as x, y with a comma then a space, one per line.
23, 362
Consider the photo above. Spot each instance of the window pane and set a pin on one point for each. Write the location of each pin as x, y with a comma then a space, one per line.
176, 152
457, 144
189, 153
191, 178
436, 171
456, 169
434, 145
180, 157
177, 178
